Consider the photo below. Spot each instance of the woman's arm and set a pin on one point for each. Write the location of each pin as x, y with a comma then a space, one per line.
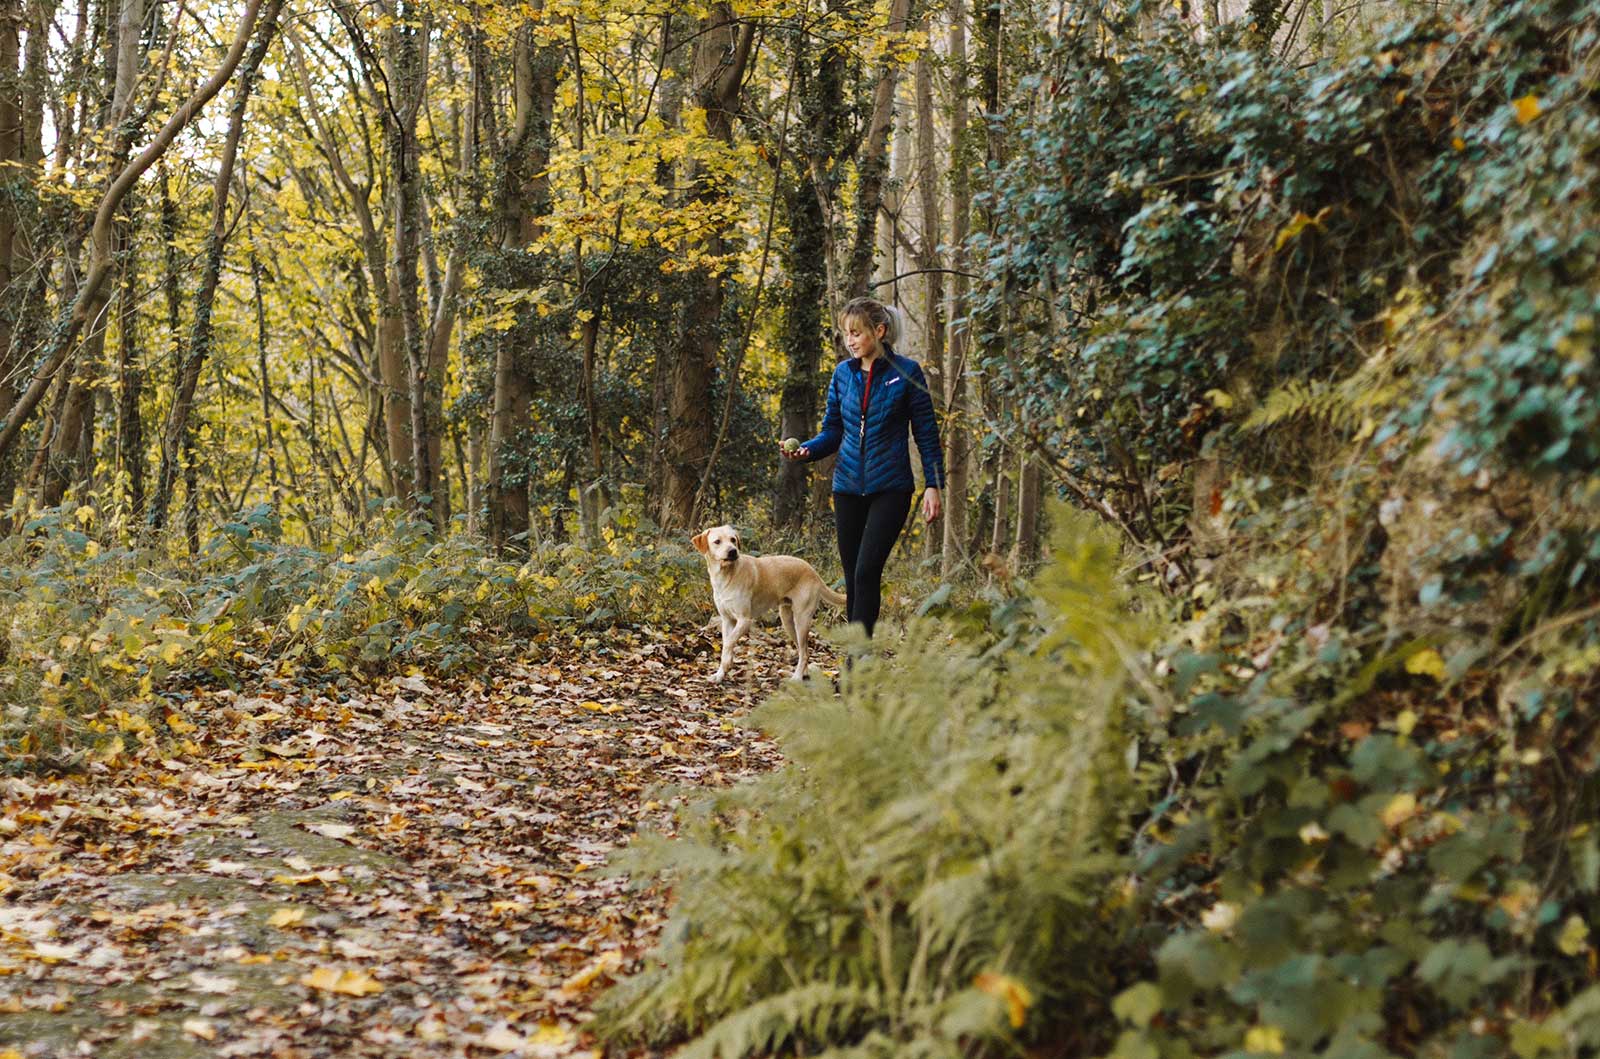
827, 442
925, 428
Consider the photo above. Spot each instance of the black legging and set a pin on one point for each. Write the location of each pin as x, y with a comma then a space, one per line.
868, 527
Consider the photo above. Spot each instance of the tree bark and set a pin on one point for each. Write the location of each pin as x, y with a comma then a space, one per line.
722, 53
930, 259
130, 372
524, 198
957, 447
72, 320
874, 162
176, 428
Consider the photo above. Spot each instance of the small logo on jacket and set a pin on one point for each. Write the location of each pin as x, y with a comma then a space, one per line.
891, 382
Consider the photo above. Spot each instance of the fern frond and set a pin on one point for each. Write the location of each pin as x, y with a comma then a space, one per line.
809, 1012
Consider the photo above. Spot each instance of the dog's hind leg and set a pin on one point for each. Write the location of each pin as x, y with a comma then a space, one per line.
802, 638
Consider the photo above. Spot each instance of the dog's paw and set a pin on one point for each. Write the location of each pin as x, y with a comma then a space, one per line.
716, 678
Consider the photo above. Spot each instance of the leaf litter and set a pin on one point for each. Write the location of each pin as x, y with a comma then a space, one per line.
326, 866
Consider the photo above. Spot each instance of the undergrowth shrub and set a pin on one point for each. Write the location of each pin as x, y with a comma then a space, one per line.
934, 858
92, 629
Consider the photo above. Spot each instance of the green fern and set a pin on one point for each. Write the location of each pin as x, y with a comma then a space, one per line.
951, 814
1342, 405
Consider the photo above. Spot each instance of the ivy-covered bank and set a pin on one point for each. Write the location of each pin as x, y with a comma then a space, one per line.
1318, 347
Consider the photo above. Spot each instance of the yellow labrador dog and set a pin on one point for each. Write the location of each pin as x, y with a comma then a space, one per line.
746, 587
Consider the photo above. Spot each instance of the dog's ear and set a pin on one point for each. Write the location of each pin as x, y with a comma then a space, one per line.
699, 542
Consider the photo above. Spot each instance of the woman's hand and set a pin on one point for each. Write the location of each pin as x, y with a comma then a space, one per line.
931, 505
794, 454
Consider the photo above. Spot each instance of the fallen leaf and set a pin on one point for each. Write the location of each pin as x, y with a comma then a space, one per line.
606, 964
221, 985
1426, 662
503, 1039
340, 831
48, 950
350, 982
1528, 108
287, 916
200, 1028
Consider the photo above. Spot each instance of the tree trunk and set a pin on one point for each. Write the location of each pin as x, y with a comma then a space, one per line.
405, 90
930, 260
957, 460
722, 51
130, 372
15, 176
267, 431
1030, 491
176, 428
525, 199
874, 162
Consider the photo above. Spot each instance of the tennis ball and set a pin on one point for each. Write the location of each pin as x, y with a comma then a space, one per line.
791, 444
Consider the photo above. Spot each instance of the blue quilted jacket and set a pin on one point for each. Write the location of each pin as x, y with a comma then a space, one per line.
873, 454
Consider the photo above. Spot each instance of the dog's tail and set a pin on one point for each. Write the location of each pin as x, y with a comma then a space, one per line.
836, 598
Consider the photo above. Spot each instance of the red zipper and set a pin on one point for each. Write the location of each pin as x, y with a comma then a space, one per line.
866, 401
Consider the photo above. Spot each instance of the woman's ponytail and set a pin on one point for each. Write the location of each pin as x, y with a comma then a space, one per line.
895, 327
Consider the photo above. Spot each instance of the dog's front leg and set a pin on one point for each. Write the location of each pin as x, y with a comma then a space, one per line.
732, 631
727, 648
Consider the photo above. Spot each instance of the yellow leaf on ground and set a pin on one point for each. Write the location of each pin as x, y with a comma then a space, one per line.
1264, 1039
287, 916
1426, 663
1528, 108
52, 953
350, 982
200, 1028
606, 964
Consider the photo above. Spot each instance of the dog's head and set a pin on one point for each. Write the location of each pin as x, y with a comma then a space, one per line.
719, 543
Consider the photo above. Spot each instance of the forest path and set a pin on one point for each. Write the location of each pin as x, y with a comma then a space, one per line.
407, 867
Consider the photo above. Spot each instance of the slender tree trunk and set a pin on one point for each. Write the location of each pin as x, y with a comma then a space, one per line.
874, 162
957, 432
525, 199
267, 429
675, 59
930, 259
407, 80
15, 175
591, 490
176, 430
130, 371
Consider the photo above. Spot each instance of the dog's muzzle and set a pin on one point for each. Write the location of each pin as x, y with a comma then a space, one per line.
733, 553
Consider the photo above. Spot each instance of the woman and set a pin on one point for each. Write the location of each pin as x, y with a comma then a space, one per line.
874, 396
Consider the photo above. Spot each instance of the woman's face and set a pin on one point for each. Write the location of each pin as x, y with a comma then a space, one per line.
861, 338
